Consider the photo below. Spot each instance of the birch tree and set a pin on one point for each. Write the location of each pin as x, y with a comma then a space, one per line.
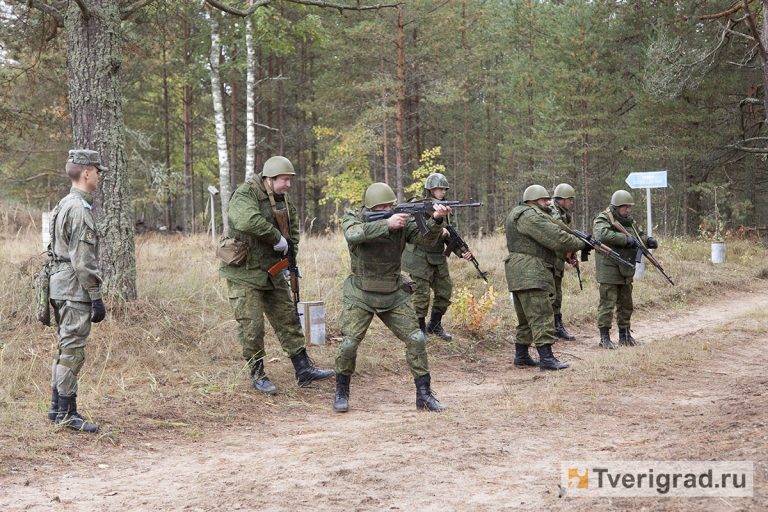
218, 115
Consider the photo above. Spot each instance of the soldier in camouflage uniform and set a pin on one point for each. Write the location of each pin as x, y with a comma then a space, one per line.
562, 205
252, 291
375, 287
75, 285
534, 241
428, 267
616, 280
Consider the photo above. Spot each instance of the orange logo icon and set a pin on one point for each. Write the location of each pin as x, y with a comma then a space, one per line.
578, 479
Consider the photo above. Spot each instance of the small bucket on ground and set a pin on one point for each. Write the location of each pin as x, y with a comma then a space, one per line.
312, 317
718, 252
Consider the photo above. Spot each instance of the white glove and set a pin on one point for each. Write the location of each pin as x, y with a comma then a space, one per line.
286, 274
281, 246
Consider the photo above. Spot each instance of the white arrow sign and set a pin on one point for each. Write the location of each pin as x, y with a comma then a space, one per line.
655, 179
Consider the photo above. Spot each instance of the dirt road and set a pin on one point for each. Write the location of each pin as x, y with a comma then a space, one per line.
696, 391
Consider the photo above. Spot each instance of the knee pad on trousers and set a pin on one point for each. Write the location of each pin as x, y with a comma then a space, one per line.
348, 348
416, 340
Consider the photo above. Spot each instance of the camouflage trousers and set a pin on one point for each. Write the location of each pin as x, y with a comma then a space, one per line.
618, 297
401, 321
440, 282
251, 305
74, 325
558, 300
534, 317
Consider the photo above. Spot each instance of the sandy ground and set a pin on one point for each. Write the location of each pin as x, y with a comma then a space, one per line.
498, 447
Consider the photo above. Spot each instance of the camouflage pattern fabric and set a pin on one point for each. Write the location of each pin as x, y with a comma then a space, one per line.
534, 317
74, 326
618, 297
607, 271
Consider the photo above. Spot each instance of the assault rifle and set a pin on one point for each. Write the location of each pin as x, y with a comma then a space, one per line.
642, 250
289, 262
417, 210
458, 246
575, 264
595, 244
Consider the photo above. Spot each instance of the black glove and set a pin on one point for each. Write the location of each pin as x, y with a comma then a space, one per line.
585, 251
632, 241
98, 311
652, 243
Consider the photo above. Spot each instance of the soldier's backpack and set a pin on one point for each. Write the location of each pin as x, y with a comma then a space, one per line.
42, 280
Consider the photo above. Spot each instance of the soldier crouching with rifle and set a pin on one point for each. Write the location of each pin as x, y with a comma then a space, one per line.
255, 292
534, 241
375, 287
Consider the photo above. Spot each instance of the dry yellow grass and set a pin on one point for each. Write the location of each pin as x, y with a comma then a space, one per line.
159, 364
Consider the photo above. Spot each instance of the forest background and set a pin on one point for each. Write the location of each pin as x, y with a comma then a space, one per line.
496, 94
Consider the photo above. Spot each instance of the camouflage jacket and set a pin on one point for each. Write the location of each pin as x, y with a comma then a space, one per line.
251, 220
565, 216
74, 247
609, 272
375, 252
534, 242
417, 258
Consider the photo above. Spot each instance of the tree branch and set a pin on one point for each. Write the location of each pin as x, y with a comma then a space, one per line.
238, 12
126, 12
317, 3
84, 8
734, 8
755, 32
48, 9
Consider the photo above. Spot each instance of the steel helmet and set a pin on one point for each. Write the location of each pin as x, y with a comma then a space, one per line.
622, 198
564, 191
535, 192
379, 193
436, 180
276, 166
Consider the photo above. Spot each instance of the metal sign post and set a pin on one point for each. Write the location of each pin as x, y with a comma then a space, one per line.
646, 180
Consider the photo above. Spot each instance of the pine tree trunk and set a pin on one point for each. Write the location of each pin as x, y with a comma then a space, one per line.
189, 189
94, 57
385, 127
399, 112
221, 132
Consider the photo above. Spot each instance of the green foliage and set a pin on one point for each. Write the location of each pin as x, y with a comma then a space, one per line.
348, 157
427, 167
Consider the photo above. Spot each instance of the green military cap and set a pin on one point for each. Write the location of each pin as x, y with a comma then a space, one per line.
86, 157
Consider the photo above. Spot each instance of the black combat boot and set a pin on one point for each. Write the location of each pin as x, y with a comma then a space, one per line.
69, 418
53, 410
605, 338
341, 400
626, 339
260, 380
306, 372
560, 331
522, 358
423, 325
436, 328
547, 360
425, 400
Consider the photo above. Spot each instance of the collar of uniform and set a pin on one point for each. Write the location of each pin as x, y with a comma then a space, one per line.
259, 182
82, 194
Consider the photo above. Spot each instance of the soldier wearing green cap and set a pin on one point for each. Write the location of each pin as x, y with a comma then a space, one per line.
616, 280
375, 287
253, 292
75, 285
563, 199
428, 266
534, 241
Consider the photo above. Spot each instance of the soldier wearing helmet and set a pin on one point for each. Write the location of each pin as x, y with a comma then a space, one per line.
254, 293
428, 267
563, 200
615, 280
376, 287
534, 242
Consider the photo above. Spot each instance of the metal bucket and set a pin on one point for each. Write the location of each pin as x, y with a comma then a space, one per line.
312, 313
718, 252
